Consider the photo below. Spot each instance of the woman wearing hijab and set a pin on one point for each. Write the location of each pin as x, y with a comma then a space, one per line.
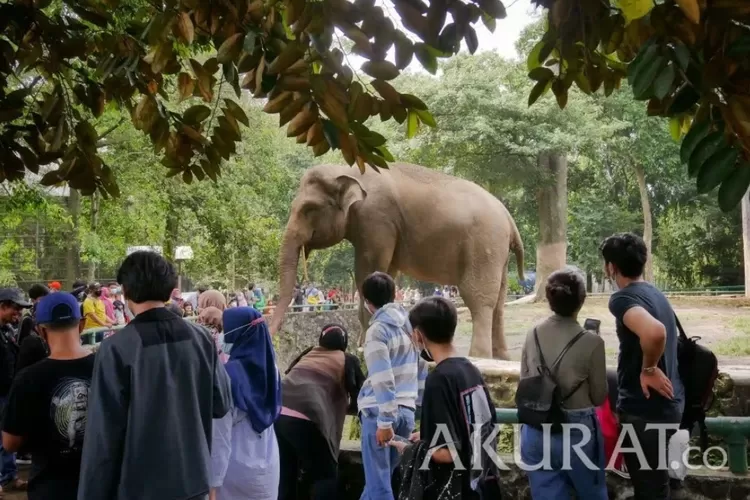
109, 306
212, 298
245, 453
210, 317
319, 389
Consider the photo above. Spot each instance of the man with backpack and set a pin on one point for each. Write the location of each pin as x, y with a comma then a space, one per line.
650, 390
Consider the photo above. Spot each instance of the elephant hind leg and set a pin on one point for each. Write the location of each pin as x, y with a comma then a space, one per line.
481, 326
499, 345
482, 305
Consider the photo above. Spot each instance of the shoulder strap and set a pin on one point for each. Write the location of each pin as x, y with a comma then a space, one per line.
567, 348
683, 336
539, 350
559, 356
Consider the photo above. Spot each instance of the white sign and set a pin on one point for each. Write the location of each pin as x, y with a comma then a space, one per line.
144, 249
183, 253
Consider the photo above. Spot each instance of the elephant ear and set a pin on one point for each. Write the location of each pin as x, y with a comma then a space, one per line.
350, 192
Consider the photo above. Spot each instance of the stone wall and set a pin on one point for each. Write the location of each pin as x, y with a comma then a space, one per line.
302, 329
717, 486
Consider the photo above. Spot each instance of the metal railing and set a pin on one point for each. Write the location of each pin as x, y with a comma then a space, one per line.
733, 430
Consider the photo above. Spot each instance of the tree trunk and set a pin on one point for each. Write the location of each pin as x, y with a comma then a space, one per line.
648, 230
71, 255
746, 240
172, 225
94, 223
552, 202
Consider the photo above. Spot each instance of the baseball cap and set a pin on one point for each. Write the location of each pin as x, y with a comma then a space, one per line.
55, 285
14, 295
60, 307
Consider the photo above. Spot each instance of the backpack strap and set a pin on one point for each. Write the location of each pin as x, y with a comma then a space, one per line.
559, 356
567, 348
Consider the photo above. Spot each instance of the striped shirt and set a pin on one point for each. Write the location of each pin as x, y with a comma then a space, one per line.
395, 371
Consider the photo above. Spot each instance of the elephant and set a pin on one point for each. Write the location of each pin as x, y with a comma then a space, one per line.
409, 219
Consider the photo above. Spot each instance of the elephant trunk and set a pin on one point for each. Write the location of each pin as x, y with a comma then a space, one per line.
289, 259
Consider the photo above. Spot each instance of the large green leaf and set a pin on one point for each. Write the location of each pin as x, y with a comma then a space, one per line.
412, 124
196, 114
716, 169
698, 131
426, 57
734, 187
646, 75
703, 151
663, 82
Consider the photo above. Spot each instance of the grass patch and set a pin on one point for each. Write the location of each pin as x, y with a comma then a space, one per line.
738, 346
741, 324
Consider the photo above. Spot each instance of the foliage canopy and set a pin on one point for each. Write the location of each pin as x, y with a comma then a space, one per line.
63, 62
687, 58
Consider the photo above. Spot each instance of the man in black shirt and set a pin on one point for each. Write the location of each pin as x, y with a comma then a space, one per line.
12, 303
456, 403
32, 347
46, 411
157, 385
649, 387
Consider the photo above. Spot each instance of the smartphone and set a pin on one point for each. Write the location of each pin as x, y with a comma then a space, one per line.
592, 325
400, 439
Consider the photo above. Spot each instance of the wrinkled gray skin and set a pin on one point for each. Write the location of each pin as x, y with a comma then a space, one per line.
413, 220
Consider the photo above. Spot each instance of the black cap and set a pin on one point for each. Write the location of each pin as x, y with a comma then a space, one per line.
14, 295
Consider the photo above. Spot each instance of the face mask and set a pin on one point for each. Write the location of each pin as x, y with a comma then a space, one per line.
613, 282
97, 293
424, 353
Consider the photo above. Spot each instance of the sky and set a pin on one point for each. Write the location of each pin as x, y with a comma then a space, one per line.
520, 14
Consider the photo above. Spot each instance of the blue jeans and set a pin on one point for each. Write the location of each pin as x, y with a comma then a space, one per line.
380, 461
552, 482
8, 467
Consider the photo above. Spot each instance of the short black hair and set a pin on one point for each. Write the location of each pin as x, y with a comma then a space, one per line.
379, 289
627, 251
436, 318
147, 276
38, 291
566, 291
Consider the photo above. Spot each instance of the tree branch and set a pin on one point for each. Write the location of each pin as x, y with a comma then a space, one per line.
104, 134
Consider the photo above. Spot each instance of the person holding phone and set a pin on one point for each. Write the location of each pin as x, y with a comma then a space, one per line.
577, 361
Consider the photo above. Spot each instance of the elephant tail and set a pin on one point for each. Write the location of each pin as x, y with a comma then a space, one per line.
516, 244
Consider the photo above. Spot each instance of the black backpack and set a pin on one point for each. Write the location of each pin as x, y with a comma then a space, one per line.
698, 368
538, 398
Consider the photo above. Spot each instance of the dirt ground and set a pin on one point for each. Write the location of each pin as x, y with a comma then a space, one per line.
723, 323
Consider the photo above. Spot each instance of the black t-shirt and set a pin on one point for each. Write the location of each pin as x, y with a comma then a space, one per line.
455, 395
630, 360
47, 407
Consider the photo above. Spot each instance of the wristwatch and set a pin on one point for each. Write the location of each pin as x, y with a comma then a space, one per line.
650, 370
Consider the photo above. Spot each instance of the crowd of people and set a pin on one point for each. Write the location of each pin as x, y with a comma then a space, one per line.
169, 409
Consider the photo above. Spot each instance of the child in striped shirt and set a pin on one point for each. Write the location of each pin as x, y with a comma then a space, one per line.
394, 386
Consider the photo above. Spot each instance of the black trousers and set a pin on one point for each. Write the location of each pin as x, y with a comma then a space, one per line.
302, 447
651, 483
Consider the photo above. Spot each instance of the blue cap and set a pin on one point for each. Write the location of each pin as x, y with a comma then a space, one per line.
60, 307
